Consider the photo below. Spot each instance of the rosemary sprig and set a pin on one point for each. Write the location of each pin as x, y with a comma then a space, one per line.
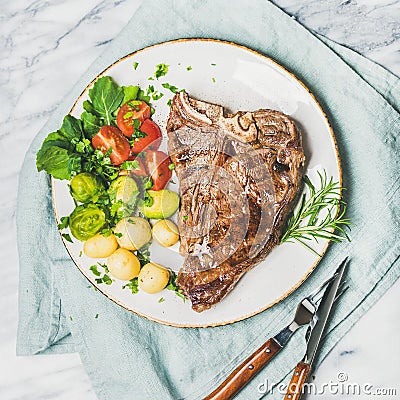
307, 223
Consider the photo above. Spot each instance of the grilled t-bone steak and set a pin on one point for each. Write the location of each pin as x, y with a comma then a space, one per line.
239, 176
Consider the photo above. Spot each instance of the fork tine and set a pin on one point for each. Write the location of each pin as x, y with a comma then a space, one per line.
341, 289
321, 288
341, 292
317, 298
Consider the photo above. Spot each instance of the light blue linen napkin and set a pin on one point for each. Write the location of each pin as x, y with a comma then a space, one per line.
129, 357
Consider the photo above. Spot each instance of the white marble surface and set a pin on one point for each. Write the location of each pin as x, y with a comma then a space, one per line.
44, 47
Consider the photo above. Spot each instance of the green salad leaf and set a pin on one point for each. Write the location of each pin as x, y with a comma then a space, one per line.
91, 123
57, 156
105, 98
54, 160
71, 128
142, 96
130, 93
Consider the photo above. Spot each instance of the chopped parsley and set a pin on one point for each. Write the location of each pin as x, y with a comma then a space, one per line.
161, 70
150, 89
213, 79
67, 237
161, 300
148, 200
157, 96
137, 133
97, 316
147, 182
128, 115
185, 217
171, 166
172, 88
135, 104
82, 145
143, 254
95, 271
130, 165
213, 64
106, 232
105, 279
189, 68
135, 64
174, 287
64, 222
102, 279
169, 102
132, 285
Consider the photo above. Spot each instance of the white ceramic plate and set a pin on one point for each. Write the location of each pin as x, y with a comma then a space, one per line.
239, 79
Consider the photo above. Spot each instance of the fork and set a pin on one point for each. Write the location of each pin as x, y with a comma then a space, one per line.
250, 367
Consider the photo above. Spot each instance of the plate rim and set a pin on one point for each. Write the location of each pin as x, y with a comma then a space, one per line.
338, 161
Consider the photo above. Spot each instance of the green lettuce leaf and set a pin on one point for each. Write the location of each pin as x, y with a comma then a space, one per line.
91, 124
71, 128
130, 93
106, 96
54, 160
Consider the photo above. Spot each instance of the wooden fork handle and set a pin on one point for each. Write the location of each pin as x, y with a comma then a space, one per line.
246, 371
296, 384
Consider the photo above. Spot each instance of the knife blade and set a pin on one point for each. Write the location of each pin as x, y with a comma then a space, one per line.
314, 335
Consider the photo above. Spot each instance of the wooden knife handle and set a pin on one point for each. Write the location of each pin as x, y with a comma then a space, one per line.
245, 371
299, 377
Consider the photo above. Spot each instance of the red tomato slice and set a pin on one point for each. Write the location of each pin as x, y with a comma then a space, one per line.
151, 141
129, 112
141, 171
110, 136
157, 165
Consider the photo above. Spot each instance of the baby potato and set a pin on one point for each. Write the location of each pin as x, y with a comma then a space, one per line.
123, 264
165, 232
100, 246
133, 232
153, 278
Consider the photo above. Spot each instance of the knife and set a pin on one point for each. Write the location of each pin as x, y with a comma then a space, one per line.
250, 367
313, 336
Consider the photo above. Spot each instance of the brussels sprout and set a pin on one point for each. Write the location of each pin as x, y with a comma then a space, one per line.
86, 220
86, 187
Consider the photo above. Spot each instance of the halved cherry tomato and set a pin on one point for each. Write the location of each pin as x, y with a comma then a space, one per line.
130, 111
141, 171
152, 139
157, 165
110, 136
